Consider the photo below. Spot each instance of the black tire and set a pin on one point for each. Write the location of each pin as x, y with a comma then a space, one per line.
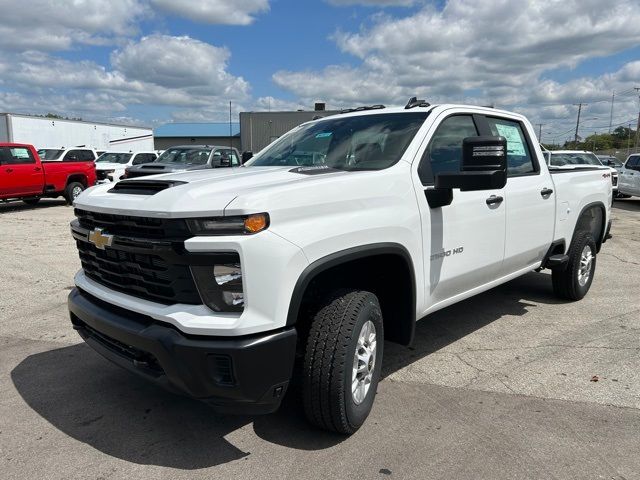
566, 282
329, 358
30, 201
69, 191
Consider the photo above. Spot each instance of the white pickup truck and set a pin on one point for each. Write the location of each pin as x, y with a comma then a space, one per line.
339, 235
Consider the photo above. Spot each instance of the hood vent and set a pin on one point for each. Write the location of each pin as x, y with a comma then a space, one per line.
143, 187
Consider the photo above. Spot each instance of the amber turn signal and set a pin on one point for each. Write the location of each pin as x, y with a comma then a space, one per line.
256, 223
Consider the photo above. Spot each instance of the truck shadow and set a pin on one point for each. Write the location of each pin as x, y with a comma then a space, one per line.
18, 206
629, 204
115, 412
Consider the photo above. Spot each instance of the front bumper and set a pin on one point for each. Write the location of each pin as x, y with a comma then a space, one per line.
247, 374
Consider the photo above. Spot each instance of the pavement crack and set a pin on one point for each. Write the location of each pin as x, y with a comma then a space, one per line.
618, 258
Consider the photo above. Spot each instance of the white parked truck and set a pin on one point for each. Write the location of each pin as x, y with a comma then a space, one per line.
337, 236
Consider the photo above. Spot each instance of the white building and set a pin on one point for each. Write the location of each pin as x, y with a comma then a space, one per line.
45, 132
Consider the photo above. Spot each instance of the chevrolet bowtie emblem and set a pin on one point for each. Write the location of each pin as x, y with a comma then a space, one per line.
99, 239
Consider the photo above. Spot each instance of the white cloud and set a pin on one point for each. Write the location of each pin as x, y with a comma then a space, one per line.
237, 12
483, 51
178, 62
49, 25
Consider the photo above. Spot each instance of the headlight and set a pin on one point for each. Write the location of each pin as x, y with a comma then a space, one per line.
220, 285
238, 225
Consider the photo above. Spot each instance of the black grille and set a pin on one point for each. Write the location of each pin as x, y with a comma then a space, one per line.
138, 227
143, 275
101, 174
614, 180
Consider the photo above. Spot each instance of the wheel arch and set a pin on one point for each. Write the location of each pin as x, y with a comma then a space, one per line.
77, 177
354, 267
592, 217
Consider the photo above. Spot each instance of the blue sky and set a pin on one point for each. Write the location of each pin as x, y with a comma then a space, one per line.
154, 61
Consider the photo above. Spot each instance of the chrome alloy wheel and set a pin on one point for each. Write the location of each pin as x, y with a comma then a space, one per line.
75, 192
364, 362
586, 264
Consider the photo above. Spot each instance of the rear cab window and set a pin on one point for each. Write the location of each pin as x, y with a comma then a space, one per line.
519, 158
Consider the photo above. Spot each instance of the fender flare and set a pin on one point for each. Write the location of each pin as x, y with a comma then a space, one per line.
603, 227
325, 263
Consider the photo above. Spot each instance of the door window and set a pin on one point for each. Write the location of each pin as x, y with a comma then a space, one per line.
15, 156
519, 159
444, 152
632, 163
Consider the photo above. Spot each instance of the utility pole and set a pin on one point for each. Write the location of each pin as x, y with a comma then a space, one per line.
579, 105
540, 131
613, 99
637, 89
629, 141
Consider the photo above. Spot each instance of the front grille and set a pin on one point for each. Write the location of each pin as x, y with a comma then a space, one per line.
138, 227
101, 174
144, 275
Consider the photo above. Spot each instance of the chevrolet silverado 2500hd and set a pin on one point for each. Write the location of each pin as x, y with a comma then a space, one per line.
336, 237
24, 176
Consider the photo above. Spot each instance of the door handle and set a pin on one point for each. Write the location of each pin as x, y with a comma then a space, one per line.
545, 192
494, 200
9, 170
37, 169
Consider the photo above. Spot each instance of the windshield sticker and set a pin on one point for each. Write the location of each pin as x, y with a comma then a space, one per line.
514, 142
324, 134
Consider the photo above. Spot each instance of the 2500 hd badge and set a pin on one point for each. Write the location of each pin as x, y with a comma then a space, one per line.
447, 253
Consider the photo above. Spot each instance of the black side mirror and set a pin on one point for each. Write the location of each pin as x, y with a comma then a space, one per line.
246, 156
483, 166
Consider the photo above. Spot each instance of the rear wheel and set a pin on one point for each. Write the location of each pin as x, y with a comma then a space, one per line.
574, 281
31, 201
72, 191
343, 360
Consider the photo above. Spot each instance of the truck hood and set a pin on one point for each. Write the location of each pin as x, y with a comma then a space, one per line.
204, 192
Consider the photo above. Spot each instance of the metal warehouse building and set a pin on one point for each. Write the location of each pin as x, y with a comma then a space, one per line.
172, 134
45, 132
259, 129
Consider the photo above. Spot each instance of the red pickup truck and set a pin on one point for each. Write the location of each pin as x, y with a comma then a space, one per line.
24, 176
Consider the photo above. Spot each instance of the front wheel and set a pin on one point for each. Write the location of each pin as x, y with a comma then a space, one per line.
574, 281
343, 361
72, 191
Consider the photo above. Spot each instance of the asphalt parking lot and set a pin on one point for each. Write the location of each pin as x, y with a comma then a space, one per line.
499, 386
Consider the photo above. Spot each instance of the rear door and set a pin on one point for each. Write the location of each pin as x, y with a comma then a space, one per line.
20, 174
463, 243
529, 199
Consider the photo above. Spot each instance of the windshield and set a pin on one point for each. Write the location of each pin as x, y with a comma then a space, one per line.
366, 142
49, 154
111, 157
185, 156
573, 159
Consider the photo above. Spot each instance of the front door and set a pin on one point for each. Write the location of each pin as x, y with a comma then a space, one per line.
463, 243
629, 178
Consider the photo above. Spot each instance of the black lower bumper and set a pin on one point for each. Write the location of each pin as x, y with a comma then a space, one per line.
235, 375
